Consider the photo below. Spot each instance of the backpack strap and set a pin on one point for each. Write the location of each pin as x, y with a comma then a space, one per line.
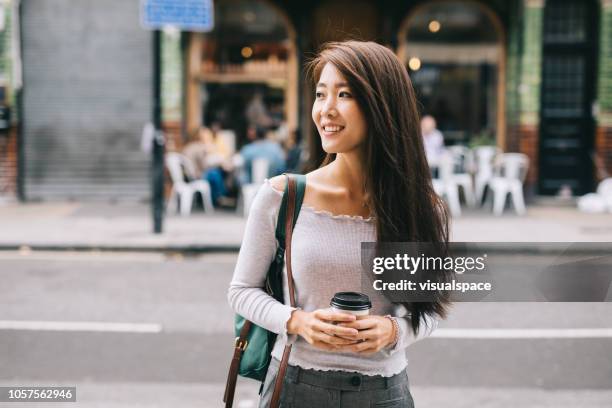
295, 189
282, 213
296, 186
290, 206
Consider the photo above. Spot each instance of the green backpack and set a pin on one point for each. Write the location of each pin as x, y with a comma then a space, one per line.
253, 355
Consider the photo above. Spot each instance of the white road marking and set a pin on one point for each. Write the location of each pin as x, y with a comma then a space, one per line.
522, 333
77, 256
113, 256
439, 333
80, 326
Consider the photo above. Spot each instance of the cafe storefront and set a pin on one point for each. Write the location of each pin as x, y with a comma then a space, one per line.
490, 72
530, 76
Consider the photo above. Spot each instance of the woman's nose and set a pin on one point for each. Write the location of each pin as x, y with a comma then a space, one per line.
329, 107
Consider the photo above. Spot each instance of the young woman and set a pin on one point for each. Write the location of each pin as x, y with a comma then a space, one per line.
373, 186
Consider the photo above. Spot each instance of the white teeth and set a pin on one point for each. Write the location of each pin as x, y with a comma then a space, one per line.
332, 128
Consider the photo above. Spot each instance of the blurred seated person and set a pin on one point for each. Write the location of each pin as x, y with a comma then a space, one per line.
433, 141
206, 152
215, 143
196, 152
260, 147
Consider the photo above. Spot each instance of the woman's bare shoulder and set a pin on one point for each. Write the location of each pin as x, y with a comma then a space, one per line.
315, 181
278, 182
320, 180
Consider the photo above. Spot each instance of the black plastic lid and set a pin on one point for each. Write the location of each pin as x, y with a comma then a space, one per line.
351, 301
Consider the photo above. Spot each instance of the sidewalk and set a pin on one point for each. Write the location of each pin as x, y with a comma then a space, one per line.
128, 227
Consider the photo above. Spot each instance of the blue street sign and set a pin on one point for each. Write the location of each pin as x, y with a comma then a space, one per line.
186, 15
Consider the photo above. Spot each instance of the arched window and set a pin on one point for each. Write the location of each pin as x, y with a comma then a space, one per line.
248, 68
454, 54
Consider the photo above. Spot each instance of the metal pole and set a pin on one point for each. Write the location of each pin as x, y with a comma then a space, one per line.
158, 141
20, 146
18, 35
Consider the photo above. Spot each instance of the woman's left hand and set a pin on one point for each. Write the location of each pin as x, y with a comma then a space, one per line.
375, 333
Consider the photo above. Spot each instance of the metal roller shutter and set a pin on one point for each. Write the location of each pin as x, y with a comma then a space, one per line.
87, 94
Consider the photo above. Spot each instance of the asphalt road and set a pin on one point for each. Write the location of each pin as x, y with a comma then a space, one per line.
184, 363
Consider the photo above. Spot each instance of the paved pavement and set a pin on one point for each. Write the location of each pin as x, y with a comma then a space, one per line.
129, 227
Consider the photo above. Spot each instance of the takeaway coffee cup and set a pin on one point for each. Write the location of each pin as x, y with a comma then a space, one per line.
354, 303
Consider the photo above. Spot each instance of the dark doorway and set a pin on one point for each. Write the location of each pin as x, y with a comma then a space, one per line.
453, 53
227, 103
567, 127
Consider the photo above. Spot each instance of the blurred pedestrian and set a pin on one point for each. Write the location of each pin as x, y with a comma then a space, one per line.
433, 140
257, 113
372, 185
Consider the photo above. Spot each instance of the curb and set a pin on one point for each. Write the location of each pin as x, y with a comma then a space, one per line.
187, 249
522, 248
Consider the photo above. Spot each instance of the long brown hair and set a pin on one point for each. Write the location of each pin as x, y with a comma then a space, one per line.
397, 179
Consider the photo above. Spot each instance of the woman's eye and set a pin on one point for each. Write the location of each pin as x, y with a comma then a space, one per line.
344, 94
319, 95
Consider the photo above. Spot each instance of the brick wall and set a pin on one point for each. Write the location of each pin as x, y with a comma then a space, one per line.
603, 147
603, 140
529, 145
8, 164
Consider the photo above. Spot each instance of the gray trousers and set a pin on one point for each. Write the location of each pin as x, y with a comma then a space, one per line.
338, 389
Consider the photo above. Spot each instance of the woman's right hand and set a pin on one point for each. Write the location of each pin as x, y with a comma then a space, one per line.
317, 328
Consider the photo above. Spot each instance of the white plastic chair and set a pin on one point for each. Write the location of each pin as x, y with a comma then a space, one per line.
259, 171
604, 188
461, 175
179, 166
445, 185
484, 160
509, 176
600, 201
259, 174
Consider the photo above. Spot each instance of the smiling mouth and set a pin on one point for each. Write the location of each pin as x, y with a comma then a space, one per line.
332, 129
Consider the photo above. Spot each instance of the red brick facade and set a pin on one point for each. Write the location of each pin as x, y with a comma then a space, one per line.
603, 149
8, 163
524, 139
